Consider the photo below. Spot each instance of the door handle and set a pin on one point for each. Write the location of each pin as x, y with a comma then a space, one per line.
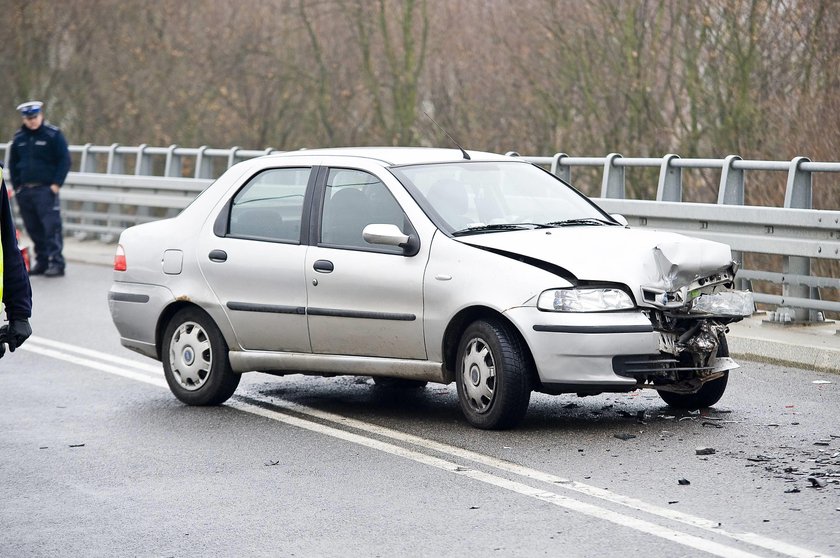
323, 266
217, 256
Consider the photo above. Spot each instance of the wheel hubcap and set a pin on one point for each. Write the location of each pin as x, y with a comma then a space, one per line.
190, 356
479, 375
475, 375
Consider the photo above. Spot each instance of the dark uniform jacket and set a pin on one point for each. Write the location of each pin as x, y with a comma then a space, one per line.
17, 293
39, 156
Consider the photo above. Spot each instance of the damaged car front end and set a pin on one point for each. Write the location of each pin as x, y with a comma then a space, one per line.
690, 308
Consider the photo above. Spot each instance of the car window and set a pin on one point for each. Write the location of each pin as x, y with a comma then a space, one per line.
478, 195
270, 205
352, 200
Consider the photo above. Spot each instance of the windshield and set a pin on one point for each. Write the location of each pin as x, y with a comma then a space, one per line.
477, 197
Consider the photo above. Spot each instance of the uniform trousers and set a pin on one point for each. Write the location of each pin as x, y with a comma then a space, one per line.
41, 213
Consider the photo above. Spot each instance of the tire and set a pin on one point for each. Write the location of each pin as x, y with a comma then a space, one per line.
398, 383
708, 395
493, 376
195, 360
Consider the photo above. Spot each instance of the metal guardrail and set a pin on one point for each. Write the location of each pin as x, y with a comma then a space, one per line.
103, 197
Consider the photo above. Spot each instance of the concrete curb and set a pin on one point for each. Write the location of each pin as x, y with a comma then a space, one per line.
810, 347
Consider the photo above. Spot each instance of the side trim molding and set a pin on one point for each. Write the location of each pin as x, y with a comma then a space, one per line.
128, 297
267, 308
332, 312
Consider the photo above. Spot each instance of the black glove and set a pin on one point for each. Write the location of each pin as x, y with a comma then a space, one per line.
14, 334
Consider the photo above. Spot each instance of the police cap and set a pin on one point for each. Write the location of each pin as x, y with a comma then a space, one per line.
30, 108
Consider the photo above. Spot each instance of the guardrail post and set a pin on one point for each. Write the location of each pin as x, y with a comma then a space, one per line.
798, 194
87, 164
558, 169
116, 161
612, 184
731, 192
670, 180
173, 162
174, 167
203, 164
115, 165
232, 156
143, 165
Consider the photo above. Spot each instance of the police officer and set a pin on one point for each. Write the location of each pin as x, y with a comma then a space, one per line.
15, 291
38, 163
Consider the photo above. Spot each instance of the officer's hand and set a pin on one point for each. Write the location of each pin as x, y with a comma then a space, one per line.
14, 334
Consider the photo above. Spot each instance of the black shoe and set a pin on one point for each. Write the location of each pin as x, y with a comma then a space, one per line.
37, 270
54, 271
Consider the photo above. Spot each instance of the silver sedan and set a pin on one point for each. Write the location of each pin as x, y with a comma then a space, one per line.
416, 265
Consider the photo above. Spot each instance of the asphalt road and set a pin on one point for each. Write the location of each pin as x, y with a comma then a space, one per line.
97, 458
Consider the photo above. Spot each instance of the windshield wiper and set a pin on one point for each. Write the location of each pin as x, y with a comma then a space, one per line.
499, 227
583, 221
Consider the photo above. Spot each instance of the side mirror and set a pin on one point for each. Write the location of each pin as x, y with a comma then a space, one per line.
391, 235
620, 218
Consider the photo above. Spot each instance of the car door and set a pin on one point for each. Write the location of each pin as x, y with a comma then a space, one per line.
253, 260
364, 299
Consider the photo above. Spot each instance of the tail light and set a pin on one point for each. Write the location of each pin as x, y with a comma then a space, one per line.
119, 259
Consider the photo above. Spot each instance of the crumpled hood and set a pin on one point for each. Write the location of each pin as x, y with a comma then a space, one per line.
635, 257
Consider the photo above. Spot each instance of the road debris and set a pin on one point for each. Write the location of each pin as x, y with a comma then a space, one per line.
683, 482
704, 451
624, 436
816, 483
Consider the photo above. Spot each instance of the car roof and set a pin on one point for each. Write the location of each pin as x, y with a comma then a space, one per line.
395, 156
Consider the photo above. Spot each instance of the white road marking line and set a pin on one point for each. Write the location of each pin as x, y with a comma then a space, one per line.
591, 510
156, 369
554, 480
569, 503
36, 348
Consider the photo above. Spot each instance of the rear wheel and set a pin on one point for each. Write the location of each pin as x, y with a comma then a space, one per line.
493, 376
195, 360
708, 395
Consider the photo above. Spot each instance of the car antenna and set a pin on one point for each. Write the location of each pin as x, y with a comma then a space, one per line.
466, 155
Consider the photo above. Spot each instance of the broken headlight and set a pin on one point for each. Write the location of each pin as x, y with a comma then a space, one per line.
731, 303
585, 300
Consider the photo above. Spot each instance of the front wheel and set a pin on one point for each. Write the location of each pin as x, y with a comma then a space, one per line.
493, 376
706, 396
195, 360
